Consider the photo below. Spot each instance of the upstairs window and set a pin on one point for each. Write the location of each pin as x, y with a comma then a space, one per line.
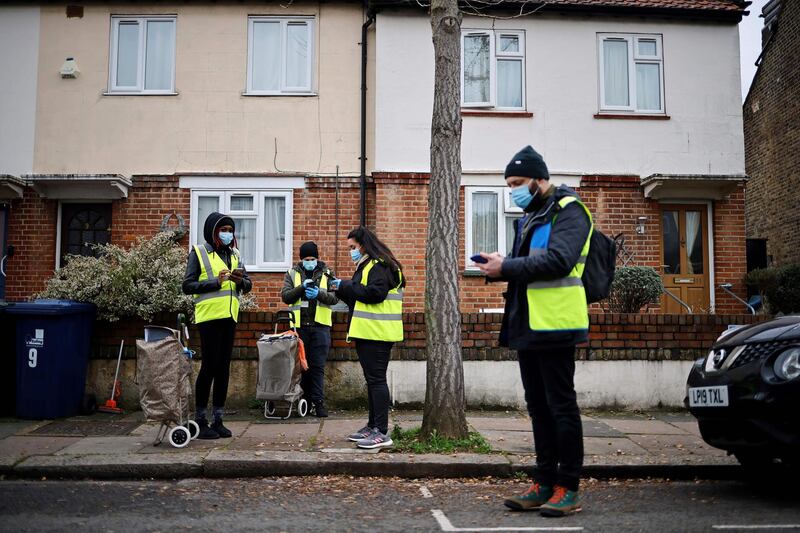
493, 69
631, 73
280, 55
142, 55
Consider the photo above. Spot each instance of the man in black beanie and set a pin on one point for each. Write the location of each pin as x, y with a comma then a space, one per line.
305, 291
545, 317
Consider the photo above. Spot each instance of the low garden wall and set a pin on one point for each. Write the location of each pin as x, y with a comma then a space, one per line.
631, 360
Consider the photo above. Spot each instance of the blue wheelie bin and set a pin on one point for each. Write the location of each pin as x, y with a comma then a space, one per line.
53, 340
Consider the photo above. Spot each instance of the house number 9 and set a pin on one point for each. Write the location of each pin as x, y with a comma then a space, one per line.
32, 357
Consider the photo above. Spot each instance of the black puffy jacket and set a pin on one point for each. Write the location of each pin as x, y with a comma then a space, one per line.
567, 237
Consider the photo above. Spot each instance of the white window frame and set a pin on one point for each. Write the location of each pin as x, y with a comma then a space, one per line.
634, 58
495, 56
284, 89
505, 208
257, 214
113, 87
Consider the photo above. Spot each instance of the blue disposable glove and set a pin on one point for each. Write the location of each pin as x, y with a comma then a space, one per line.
307, 282
311, 293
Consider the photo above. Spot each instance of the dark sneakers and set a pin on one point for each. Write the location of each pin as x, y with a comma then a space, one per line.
362, 433
531, 500
221, 430
562, 503
206, 433
319, 410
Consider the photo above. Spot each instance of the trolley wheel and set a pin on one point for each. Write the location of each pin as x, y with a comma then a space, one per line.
270, 408
302, 407
194, 429
179, 436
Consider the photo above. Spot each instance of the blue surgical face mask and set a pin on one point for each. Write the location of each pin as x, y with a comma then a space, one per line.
226, 237
355, 255
310, 265
522, 195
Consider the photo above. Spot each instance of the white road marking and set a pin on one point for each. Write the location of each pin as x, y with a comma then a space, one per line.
759, 526
425, 492
446, 525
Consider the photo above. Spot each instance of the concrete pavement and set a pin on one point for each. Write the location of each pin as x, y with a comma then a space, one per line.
121, 446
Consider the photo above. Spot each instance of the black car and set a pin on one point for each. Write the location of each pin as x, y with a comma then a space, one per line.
745, 393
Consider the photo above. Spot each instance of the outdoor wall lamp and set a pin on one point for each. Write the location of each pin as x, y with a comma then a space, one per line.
640, 225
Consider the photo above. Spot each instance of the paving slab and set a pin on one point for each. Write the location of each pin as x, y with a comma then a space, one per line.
642, 426
689, 427
104, 445
500, 424
509, 441
14, 428
597, 428
611, 446
14, 448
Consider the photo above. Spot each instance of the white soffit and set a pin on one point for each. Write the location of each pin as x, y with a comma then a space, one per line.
11, 187
80, 186
690, 186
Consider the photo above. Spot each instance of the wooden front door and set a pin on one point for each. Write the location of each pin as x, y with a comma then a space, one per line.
684, 257
83, 225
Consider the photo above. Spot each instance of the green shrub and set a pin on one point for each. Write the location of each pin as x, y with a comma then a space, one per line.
633, 288
141, 281
783, 294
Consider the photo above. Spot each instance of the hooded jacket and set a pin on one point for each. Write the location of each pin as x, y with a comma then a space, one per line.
290, 294
191, 285
567, 238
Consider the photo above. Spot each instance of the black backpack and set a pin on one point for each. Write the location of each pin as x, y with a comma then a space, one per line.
600, 265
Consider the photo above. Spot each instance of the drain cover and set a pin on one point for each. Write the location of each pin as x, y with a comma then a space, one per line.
86, 428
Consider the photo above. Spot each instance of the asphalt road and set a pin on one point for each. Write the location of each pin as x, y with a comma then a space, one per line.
332, 504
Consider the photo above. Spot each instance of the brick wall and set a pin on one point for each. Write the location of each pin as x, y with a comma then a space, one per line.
772, 143
32, 232
612, 336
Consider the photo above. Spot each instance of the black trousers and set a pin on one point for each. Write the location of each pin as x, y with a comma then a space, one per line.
374, 358
216, 343
548, 379
317, 342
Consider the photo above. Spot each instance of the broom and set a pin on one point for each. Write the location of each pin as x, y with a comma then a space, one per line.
111, 404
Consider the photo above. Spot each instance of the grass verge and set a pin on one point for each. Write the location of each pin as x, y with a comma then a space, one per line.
410, 441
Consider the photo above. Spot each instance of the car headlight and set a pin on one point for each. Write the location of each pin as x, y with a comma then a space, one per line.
787, 365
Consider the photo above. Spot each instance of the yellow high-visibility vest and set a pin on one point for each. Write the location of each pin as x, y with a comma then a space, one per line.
322, 314
560, 304
222, 303
382, 321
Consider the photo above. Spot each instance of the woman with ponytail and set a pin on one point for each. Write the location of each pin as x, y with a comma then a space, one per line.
375, 298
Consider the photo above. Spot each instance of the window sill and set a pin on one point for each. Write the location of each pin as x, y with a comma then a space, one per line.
133, 93
504, 114
472, 273
631, 116
304, 95
268, 270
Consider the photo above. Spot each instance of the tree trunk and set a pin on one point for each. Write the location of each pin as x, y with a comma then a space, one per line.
444, 394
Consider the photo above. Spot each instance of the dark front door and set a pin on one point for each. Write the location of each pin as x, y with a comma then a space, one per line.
83, 225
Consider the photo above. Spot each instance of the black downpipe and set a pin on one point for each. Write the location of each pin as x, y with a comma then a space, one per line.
363, 186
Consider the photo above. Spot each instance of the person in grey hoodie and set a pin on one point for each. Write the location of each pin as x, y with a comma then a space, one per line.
305, 291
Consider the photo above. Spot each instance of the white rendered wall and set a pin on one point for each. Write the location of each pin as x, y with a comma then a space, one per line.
702, 95
497, 383
19, 60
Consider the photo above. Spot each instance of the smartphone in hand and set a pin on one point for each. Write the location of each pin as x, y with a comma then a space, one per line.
478, 258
